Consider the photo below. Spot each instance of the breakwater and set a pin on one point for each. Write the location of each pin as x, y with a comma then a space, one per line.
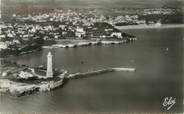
22, 88
98, 72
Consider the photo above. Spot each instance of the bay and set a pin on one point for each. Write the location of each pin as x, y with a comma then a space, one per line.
157, 56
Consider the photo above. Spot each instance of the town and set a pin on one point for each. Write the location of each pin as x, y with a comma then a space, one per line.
27, 33
91, 56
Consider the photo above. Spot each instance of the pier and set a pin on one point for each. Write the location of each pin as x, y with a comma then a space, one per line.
124, 69
98, 72
29, 80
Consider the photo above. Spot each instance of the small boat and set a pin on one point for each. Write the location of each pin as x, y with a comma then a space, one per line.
167, 49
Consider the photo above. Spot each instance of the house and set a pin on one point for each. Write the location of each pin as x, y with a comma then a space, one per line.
10, 35
117, 34
16, 41
80, 32
2, 36
3, 45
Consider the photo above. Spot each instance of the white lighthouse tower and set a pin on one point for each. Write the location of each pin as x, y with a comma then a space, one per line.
0, 9
0, 18
49, 66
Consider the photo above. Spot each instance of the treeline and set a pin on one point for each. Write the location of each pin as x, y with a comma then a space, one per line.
176, 18
32, 46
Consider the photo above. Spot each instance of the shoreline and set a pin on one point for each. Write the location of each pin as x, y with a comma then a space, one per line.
20, 88
150, 26
22, 80
73, 44
83, 43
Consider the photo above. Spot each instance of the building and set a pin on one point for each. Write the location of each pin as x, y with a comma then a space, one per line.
49, 66
117, 34
0, 9
25, 75
80, 32
0, 17
3, 45
0, 64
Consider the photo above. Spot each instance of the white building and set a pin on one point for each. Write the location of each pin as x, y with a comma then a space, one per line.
49, 65
3, 45
0, 9
117, 34
25, 75
80, 32
16, 41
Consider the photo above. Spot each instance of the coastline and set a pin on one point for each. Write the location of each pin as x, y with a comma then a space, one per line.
82, 43
22, 80
19, 53
21, 88
150, 26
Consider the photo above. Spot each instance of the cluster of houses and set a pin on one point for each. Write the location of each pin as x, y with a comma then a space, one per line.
82, 17
86, 17
163, 11
59, 24
21, 35
128, 20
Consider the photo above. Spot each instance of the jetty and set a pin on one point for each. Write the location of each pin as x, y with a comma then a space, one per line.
98, 72
124, 69
22, 80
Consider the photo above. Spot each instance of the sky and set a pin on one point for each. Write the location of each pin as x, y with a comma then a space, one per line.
102, 3
10, 7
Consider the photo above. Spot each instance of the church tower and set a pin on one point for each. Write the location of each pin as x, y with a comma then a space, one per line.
49, 66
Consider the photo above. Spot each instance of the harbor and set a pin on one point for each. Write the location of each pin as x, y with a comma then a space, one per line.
91, 56
24, 80
27, 81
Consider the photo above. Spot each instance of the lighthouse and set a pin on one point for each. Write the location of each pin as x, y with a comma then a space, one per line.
0, 19
0, 9
49, 66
